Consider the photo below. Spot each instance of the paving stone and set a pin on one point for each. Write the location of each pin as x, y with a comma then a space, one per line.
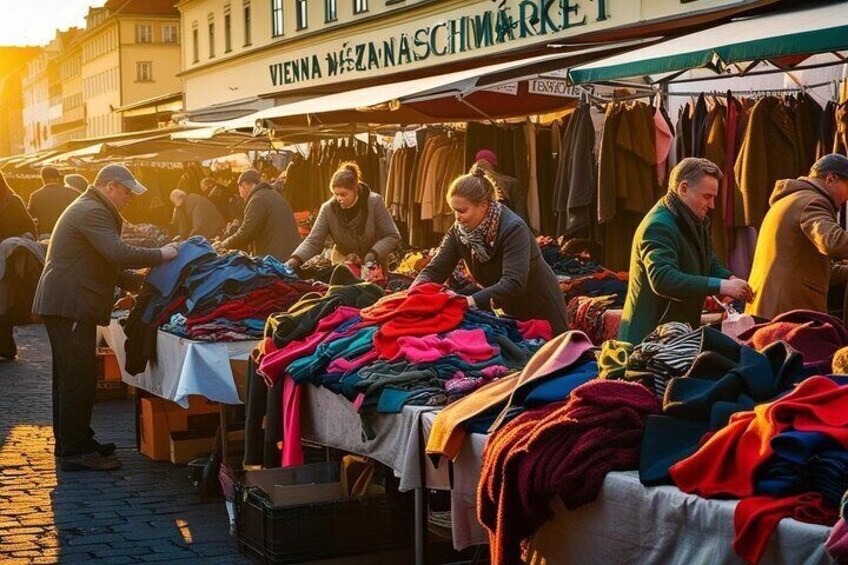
115, 518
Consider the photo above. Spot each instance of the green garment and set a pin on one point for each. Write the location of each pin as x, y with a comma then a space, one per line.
672, 271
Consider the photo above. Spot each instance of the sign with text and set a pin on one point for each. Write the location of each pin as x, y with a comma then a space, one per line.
553, 87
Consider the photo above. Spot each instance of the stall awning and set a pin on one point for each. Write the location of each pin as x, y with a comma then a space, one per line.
388, 103
807, 31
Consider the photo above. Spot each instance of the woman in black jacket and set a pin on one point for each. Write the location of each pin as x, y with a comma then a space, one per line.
501, 254
15, 221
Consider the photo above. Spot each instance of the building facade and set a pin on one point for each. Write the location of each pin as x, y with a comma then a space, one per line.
13, 68
244, 55
42, 96
130, 51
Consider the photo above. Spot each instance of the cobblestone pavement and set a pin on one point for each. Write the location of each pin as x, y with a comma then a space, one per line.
146, 512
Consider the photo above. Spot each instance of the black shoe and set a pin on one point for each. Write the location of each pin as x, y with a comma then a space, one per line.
105, 449
89, 462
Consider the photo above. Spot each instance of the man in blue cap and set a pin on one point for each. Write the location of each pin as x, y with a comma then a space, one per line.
86, 259
800, 240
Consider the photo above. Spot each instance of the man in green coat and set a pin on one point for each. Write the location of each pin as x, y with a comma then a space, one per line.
672, 265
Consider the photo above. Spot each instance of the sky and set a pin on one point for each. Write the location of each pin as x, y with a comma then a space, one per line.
34, 22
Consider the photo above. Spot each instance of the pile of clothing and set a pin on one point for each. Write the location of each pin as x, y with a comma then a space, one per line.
204, 297
419, 347
144, 235
563, 449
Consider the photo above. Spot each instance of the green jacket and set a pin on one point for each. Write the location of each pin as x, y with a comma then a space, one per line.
669, 279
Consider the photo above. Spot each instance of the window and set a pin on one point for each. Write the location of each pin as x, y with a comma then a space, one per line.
247, 24
360, 6
143, 33
331, 12
195, 42
170, 34
211, 36
302, 11
228, 30
276, 18
144, 71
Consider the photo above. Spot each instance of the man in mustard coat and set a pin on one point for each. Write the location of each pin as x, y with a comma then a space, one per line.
672, 264
799, 241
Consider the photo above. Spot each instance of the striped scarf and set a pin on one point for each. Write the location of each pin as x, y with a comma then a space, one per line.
668, 352
481, 239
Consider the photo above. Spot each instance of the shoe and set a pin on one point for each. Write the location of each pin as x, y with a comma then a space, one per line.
104, 449
89, 462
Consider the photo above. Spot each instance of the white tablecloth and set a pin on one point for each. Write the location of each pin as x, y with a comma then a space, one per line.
183, 367
627, 524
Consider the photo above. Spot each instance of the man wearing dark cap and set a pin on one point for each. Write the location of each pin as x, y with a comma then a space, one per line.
800, 240
48, 202
86, 259
269, 226
76, 182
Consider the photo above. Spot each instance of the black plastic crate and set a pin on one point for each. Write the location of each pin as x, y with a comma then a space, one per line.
327, 530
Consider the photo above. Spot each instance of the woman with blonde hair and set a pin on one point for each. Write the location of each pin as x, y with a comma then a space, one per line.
501, 254
357, 219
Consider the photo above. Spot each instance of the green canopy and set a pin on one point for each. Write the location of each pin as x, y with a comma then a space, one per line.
808, 31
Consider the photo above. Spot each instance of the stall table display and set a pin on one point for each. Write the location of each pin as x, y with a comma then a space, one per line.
183, 367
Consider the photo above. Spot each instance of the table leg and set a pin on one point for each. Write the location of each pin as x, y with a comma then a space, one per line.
420, 525
225, 436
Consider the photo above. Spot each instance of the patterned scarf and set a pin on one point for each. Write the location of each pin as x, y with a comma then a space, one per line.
699, 231
481, 239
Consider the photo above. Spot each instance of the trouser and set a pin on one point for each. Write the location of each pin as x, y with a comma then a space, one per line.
8, 348
73, 345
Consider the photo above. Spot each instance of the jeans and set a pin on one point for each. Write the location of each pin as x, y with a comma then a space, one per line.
73, 345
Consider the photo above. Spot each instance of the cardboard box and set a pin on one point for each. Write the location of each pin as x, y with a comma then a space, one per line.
109, 369
160, 417
306, 484
239, 368
187, 446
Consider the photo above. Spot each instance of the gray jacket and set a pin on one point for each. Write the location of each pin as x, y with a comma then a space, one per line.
198, 216
269, 226
516, 279
85, 261
376, 232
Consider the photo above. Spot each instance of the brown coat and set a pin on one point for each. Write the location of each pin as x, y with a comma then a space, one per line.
799, 240
768, 154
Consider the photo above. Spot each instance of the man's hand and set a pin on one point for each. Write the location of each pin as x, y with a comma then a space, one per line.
354, 259
293, 263
219, 248
737, 289
169, 252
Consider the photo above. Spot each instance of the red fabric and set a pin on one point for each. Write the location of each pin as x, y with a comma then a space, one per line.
817, 336
275, 362
565, 449
423, 310
258, 304
535, 329
726, 463
757, 517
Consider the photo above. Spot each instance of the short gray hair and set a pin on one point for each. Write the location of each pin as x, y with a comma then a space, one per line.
691, 170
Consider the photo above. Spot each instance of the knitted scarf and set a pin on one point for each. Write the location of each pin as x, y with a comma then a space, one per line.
481, 239
698, 230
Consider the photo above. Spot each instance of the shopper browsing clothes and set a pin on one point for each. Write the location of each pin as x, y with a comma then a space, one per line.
194, 214
362, 229
799, 241
501, 254
672, 265
85, 261
48, 202
15, 221
269, 226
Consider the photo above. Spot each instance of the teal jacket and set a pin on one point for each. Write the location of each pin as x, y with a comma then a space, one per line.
669, 277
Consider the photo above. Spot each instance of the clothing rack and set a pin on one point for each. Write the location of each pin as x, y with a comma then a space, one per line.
651, 92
